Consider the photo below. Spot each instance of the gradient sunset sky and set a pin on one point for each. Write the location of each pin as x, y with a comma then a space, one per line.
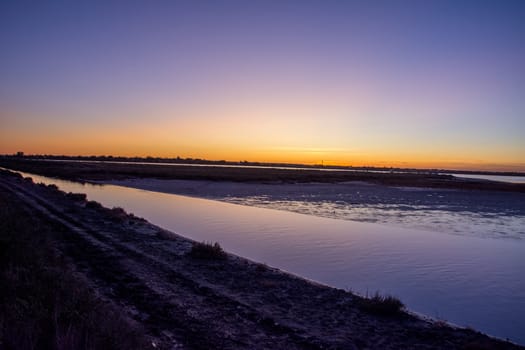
385, 83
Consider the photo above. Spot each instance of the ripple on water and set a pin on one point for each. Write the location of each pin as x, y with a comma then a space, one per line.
437, 218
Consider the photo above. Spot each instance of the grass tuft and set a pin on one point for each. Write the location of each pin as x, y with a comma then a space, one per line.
383, 305
93, 205
52, 187
207, 251
77, 197
117, 214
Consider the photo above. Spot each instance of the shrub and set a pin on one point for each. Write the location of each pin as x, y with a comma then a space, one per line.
382, 305
78, 197
261, 268
11, 174
53, 187
117, 214
93, 205
208, 251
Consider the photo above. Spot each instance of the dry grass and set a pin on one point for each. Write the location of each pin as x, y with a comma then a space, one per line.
43, 303
382, 305
207, 251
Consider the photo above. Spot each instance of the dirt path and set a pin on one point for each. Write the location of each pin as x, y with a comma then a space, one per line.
189, 303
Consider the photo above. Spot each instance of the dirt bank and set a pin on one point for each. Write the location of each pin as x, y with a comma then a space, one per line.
193, 303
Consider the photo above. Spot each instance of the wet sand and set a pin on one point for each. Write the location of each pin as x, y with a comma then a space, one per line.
234, 303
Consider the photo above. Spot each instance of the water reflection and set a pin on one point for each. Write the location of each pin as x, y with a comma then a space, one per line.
478, 213
496, 225
466, 280
501, 178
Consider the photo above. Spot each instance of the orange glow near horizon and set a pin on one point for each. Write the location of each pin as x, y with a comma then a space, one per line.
137, 144
238, 134
265, 136
236, 138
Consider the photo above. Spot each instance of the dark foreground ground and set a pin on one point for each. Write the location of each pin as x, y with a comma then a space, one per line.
76, 275
104, 171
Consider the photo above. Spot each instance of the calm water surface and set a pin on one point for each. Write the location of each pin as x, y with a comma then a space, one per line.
501, 178
466, 280
486, 214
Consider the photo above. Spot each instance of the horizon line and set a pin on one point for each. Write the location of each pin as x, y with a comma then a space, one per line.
173, 160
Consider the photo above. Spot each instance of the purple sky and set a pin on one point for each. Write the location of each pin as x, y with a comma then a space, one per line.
370, 82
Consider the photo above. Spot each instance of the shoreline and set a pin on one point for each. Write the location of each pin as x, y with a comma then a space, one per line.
430, 209
80, 171
261, 165
267, 292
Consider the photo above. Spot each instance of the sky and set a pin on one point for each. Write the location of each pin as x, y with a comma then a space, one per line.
436, 84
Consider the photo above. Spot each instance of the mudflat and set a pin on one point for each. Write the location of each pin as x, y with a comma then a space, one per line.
105, 171
192, 301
